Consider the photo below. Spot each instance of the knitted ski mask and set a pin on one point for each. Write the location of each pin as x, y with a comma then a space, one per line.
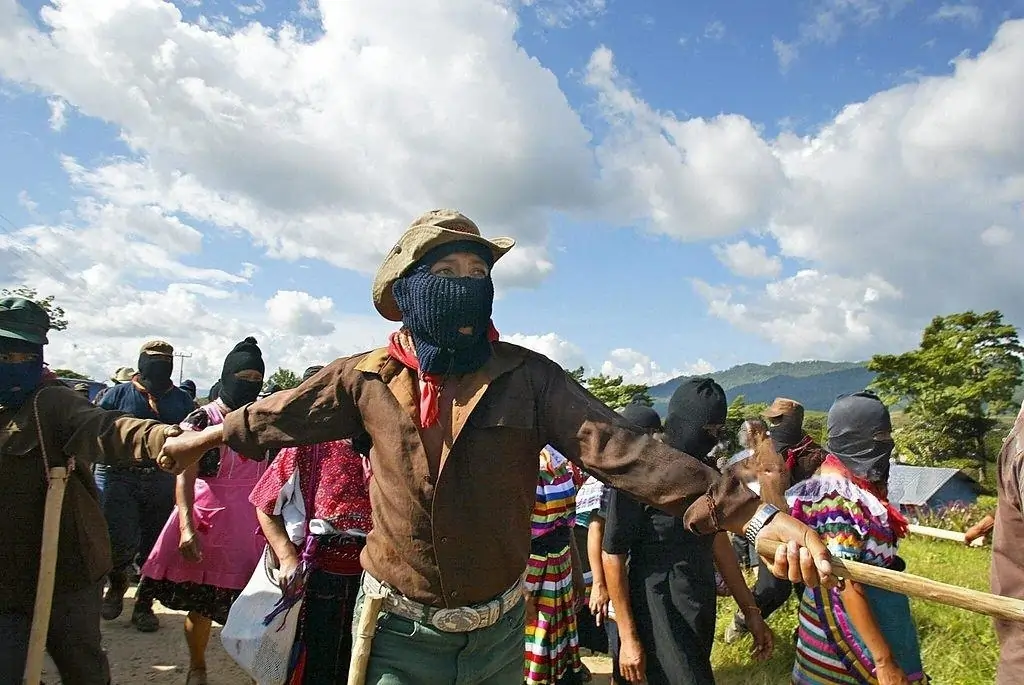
19, 378
789, 430
860, 435
155, 372
697, 403
435, 307
241, 379
642, 416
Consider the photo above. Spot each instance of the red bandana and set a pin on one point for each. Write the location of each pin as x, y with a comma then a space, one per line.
400, 348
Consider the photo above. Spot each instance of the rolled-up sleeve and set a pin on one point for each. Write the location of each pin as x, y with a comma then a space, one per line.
319, 410
599, 440
94, 435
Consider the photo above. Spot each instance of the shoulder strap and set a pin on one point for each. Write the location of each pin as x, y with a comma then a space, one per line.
42, 438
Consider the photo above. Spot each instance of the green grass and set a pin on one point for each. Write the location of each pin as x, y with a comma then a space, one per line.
958, 647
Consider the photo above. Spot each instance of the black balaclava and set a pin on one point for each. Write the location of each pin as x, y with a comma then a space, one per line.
697, 403
641, 415
189, 386
310, 372
435, 307
214, 392
789, 430
860, 435
237, 392
19, 379
155, 372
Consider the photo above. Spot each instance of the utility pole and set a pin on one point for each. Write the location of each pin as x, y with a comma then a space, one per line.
181, 366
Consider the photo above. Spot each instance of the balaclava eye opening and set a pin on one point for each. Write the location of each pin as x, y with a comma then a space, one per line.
435, 307
697, 403
237, 392
856, 422
19, 379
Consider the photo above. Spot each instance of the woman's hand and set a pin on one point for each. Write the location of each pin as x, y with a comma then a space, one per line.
889, 672
764, 640
632, 662
188, 546
531, 606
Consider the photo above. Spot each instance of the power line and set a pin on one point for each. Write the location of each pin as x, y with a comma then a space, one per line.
181, 367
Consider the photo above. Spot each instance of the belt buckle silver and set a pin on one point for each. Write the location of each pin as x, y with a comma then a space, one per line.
457, 620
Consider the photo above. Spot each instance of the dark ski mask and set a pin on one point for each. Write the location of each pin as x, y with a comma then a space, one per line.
435, 307
155, 372
788, 432
241, 378
860, 435
21, 370
696, 404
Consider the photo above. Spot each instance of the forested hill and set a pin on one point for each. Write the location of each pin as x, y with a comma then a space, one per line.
815, 384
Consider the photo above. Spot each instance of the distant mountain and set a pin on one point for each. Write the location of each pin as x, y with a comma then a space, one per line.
815, 384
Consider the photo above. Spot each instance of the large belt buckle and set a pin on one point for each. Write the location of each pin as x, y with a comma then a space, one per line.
458, 620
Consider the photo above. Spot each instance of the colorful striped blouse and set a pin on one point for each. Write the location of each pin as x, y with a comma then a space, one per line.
556, 495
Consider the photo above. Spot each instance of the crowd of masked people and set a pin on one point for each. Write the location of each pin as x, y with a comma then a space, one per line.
515, 518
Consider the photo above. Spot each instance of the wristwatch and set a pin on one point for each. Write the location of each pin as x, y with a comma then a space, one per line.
760, 519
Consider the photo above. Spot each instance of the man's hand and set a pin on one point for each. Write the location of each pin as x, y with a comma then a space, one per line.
632, 662
182, 449
802, 558
889, 672
599, 603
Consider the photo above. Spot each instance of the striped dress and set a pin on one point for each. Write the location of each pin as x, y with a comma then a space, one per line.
552, 640
854, 524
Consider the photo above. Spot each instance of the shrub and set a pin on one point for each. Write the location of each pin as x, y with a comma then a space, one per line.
957, 516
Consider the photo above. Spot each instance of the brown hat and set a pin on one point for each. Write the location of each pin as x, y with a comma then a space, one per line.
433, 229
784, 407
157, 348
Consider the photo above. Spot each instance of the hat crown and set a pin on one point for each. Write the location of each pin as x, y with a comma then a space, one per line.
157, 348
450, 219
23, 319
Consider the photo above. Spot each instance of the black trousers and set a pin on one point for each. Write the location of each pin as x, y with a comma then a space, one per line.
73, 641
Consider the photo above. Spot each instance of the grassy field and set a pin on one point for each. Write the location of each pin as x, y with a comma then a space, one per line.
959, 647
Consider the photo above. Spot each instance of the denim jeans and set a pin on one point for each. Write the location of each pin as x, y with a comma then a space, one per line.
136, 504
407, 652
73, 641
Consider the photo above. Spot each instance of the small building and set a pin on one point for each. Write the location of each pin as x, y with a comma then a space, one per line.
929, 487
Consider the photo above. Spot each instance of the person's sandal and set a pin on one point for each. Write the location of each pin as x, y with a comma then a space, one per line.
196, 676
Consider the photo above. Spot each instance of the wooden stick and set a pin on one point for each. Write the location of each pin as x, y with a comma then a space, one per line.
953, 535
365, 631
1005, 608
47, 575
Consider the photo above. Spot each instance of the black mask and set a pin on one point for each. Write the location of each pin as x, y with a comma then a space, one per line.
696, 404
155, 373
788, 432
237, 392
859, 435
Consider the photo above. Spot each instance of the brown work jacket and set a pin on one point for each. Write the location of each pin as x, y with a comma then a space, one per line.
1008, 551
451, 526
71, 428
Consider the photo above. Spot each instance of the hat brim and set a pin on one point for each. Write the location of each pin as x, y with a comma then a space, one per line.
25, 336
415, 243
773, 413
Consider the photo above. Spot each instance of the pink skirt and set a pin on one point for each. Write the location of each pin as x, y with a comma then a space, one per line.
226, 525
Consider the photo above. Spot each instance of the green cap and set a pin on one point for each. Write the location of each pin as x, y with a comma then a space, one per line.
23, 319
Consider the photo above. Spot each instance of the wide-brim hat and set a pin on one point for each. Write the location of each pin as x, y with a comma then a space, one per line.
431, 230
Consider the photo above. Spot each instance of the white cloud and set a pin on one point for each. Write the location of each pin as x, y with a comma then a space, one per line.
887, 205
251, 8
58, 118
828, 21
552, 346
300, 313
562, 13
637, 367
690, 179
747, 260
26, 201
715, 30
962, 12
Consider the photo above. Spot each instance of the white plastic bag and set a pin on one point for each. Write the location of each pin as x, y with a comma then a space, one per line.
262, 651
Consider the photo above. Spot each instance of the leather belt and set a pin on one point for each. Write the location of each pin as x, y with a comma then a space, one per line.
456, 620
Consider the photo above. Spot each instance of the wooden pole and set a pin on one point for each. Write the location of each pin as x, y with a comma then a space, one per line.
1005, 608
941, 534
365, 631
47, 573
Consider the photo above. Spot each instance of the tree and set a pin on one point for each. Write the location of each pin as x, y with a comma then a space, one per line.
614, 392
58, 319
964, 372
68, 373
286, 379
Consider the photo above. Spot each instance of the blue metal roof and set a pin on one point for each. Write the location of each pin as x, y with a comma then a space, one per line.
915, 485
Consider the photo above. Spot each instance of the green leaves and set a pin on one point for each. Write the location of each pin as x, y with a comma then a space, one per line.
614, 392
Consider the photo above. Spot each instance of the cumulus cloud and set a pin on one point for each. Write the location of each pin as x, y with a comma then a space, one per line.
747, 260
637, 367
300, 313
895, 204
962, 12
552, 346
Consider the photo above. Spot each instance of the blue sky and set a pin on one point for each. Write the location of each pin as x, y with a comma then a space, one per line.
693, 185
